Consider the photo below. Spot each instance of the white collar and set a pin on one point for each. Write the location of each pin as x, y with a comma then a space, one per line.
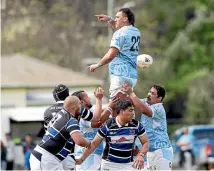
60, 101
118, 124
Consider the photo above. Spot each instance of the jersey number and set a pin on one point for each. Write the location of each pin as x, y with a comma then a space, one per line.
54, 120
135, 43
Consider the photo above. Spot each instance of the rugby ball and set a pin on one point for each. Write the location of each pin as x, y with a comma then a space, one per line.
144, 61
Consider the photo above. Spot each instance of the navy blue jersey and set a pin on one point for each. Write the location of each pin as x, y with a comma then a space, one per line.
51, 112
49, 119
120, 140
57, 139
54, 109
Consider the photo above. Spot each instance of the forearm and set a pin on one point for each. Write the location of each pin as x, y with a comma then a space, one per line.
97, 111
138, 104
106, 59
88, 151
105, 115
145, 148
94, 144
82, 142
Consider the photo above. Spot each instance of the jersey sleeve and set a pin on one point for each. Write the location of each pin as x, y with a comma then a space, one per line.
117, 40
48, 115
72, 126
86, 114
141, 130
102, 132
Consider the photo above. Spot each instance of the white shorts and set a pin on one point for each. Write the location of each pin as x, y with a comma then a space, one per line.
68, 163
47, 161
109, 166
93, 162
160, 159
116, 83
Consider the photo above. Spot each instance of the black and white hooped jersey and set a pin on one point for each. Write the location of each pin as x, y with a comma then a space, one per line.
51, 112
48, 121
54, 109
120, 140
57, 139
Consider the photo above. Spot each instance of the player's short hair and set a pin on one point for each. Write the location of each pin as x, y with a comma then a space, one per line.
130, 15
161, 92
8, 134
60, 92
123, 105
78, 94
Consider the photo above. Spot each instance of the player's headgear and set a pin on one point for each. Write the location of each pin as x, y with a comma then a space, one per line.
130, 15
60, 92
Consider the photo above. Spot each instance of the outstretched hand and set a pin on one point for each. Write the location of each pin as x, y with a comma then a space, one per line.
113, 102
92, 67
139, 163
99, 92
102, 17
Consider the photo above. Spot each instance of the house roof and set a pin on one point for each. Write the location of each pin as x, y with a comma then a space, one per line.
18, 70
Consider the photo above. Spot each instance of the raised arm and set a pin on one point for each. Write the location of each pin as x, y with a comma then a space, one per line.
106, 113
105, 18
108, 57
98, 107
144, 109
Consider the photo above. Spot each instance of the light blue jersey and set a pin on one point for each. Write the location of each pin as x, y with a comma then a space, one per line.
94, 160
185, 139
156, 127
89, 134
127, 40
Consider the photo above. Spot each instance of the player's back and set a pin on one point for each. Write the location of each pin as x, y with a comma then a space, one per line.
127, 40
51, 112
57, 138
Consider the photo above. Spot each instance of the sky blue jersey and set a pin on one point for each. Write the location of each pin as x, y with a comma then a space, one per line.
89, 134
156, 127
127, 40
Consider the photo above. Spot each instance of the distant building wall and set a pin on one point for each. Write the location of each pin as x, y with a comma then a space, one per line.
13, 97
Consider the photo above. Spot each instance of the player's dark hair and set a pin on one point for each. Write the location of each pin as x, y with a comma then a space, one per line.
161, 92
60, 92
78, 94
130, 15
8, 134
123, 105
